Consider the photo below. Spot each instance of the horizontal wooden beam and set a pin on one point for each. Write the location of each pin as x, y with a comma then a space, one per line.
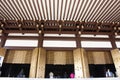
17, 47
60, 38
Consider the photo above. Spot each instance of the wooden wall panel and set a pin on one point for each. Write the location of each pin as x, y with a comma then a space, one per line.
116, 59
2, 52
59, 57
69, 57
41, 63
90, 57
108, 58
18, 56
99, 57
50, 57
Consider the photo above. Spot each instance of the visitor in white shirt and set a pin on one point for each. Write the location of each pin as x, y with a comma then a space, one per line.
109, 73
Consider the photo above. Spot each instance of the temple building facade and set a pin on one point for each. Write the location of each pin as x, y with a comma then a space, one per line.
57, 38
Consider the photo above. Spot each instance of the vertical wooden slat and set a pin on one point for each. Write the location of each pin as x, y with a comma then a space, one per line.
40, 73
53, 9
80, 63
33, 66
13, 13
108, 7
32, 9
16, 13
94, 10
50, 10
35, 9
39, 9
65, 9
68, 9
100, 11
4, 16
83, 17
43, 9
28, 9
116, 59
76, 10
22, 11
82, 11
17, 9
25, 9
46, 10
79, 10
8, 11
57, 9
61, 9
72, 9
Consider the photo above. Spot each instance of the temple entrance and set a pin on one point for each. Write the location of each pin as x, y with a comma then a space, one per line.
99, 70
59, 70
15, 70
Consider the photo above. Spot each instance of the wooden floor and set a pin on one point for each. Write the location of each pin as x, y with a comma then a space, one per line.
59, 79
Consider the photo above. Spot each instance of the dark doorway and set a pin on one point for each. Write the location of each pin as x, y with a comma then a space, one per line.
13, 70
59, 70
99, 70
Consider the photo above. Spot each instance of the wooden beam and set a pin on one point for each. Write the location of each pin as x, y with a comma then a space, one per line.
112, 40
78, 41
40, 40
3, 39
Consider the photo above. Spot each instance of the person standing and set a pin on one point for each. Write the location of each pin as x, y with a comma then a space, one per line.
65, 75
51, 75
72, 75
109, 73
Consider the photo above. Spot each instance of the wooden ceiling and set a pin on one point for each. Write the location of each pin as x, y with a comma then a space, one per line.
61, 16
97, 17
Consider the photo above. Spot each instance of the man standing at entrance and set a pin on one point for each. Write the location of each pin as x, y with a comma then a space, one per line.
109, 73
51, 75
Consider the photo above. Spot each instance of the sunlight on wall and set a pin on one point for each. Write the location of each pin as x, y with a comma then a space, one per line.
19, 34
54, 43
24, 43
95, 36
96, 44
61, 35
118, 44
117, 36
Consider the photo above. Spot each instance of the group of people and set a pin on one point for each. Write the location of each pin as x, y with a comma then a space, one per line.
72, 75
51, 75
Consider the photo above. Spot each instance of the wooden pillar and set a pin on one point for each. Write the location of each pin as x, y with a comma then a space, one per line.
116, 59
80, 63
33, 65
40, 73
2, 55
